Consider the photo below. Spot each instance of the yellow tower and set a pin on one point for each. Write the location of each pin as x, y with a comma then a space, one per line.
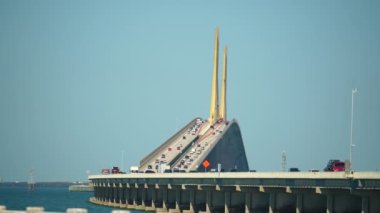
214, 90
223, 104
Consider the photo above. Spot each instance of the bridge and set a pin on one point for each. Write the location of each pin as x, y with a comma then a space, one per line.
203, 139
198, 157
241, 191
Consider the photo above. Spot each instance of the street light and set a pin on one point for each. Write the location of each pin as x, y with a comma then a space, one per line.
354, 91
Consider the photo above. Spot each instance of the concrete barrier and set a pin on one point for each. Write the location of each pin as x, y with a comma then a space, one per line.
76, 210
35, 209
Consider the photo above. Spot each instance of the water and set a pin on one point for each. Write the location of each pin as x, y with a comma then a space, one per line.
53, 199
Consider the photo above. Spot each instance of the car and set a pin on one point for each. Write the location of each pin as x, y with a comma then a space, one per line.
149, 171
178, 148
106, 171
163, 156
233, 170
294, 169
338, 166
149, 166
169, 149
115, 170
329, 165
335, 166
167, 171
183, 137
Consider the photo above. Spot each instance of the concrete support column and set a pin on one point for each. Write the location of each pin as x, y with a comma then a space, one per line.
154, 193
121, 194
102, 193
365, 204
108, 197
143, 195
134, 197
165, 198
299, 204
272, 202
115, 193
330, 203
248, 197
192, 199
127, 197
110, 193
177, 198
227, 202
107, 193
208, 201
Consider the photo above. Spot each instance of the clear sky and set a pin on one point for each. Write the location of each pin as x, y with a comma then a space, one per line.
81, 82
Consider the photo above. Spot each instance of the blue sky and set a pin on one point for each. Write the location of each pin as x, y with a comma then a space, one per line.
83, 81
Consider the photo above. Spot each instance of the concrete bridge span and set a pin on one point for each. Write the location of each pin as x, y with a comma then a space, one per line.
241, 192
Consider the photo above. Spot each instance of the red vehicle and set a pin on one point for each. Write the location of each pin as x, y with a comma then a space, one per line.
105, 171
338, 166
335, 166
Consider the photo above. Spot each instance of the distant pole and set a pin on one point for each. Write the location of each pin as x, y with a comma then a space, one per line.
283, 161
354, 91
122, 160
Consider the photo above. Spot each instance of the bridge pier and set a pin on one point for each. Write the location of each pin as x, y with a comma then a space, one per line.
208, 200
163, 191
330, 203
227, 201
272, 202
365, 204
191, 189
150, 204
115, 190
128, 195
299, 204
247, 206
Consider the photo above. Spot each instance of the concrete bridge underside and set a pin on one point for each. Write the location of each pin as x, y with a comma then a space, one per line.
240, 192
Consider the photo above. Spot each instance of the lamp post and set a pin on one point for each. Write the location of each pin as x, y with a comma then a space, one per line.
354, 91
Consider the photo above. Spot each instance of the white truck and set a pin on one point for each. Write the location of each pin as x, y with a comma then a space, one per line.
134, 169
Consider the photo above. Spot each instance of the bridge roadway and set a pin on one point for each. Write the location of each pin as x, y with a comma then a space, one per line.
155, 158
186, 150
241, 192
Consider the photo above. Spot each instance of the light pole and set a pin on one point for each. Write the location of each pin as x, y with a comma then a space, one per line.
354, 91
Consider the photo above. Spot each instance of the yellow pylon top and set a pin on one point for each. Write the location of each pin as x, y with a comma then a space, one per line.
214, 90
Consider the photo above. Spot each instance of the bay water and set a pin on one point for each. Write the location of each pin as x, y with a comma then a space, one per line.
53, 199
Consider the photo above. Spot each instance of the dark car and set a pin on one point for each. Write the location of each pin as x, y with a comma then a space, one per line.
294, 169
149, 171
167, 171
115, 170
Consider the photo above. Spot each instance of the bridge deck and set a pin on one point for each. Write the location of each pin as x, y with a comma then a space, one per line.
357, 180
